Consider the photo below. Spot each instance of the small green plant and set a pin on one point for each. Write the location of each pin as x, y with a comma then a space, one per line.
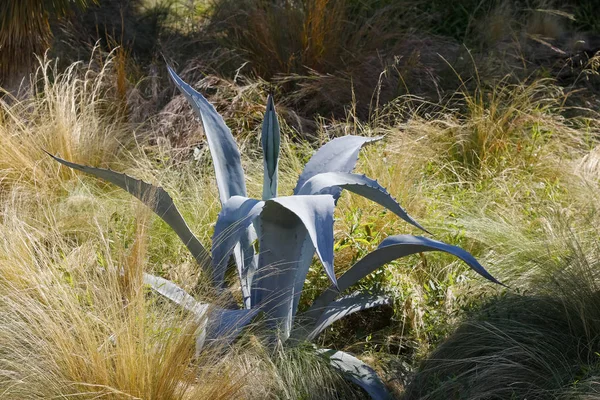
287, 230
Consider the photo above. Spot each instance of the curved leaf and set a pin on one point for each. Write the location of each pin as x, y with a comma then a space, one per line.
358, 372
316, 213
224, 150
338, 155
282, 236
154, 197
270, 140
176, 294
222, 325
231, 228
344, 306
228, 168
291, 228
391, 248
359, 184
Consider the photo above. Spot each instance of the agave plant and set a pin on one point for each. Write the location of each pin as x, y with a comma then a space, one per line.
289, 231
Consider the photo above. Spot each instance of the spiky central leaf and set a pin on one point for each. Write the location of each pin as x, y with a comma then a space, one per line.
270, 140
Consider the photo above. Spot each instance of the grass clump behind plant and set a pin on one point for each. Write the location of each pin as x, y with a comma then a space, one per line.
69, 112
535, 346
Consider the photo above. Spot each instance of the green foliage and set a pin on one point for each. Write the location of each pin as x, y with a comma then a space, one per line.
538, 347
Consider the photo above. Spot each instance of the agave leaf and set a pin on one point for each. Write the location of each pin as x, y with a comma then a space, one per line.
316, 213
342, 307
281, 240
224, 150
359, 184
338, 155
391, 248
176, 294
270, 140
179, 296
227, 163
246, 262
306, 256
288, 239
218, 325
358, 372
224, 326
231, 228
154, 197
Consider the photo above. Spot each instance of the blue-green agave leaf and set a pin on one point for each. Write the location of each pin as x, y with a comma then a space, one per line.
156, 198
282, 236
316, 213
359, 184
224, 326
270, 139
233, 222
216, 324
389, 249
227, 164
338, 155
344, 306
246, 261
176, 294
358, 372
291, 228
224, 150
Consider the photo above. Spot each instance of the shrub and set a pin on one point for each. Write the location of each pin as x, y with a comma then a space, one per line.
534, 347
329, 54
287, 230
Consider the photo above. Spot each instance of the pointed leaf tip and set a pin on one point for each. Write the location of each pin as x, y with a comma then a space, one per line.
222, 145
359, 184
156, 198
270, 103
270, 141
338, 155
392, 248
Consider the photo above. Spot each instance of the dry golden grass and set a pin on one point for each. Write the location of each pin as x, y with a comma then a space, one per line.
74, 325
66, 113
